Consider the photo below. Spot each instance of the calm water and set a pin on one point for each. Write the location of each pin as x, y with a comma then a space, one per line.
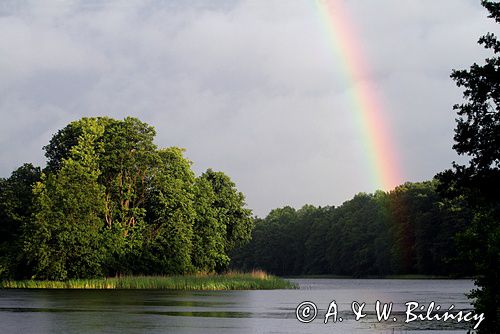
124, 312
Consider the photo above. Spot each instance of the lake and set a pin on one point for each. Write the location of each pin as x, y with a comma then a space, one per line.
269, 311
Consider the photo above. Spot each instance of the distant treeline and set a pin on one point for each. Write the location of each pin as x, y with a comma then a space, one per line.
110, 202
410, 230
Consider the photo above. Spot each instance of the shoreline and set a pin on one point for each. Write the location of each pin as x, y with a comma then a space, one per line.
208, 282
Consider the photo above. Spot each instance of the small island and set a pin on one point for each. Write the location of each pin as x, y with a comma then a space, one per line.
110, 203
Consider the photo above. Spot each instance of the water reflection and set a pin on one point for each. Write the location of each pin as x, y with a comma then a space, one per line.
149, 311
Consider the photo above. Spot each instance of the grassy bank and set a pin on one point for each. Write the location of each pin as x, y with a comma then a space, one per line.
256, 280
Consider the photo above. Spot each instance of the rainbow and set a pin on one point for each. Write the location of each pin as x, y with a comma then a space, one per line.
367, 110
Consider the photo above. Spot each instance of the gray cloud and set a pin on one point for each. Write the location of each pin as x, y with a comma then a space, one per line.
248, 87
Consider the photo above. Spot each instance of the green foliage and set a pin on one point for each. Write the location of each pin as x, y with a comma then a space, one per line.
425, 229
60, 146
16, 198
64, 240
209, 243
128, 154
358, 227
230, 206
171, 213
110, 202
406, 231
476, 184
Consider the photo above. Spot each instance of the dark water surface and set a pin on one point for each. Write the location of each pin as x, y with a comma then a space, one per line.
271, 311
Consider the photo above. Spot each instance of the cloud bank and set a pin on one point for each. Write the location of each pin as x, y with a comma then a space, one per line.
247, 87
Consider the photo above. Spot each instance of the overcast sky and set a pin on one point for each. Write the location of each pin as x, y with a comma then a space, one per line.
248, 87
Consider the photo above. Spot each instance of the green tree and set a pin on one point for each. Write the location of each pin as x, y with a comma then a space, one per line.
64, 240
170, 213
209, 243
16, 209
477, 136
125, 162
275, 241
315, 254
124, 153
110, 202
231, 211
356, 227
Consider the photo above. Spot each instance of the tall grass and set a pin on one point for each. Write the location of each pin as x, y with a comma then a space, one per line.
255, 280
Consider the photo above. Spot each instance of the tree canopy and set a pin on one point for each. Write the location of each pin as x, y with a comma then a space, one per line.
110, 202
409, 230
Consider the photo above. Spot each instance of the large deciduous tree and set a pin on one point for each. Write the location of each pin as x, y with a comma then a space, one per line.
64, 239
110, 202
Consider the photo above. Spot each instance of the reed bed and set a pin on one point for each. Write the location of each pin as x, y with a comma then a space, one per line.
257, 280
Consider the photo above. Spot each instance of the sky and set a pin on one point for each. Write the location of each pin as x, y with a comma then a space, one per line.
251, 88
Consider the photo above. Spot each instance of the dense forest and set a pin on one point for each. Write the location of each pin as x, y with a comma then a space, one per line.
410, 230
110, 202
